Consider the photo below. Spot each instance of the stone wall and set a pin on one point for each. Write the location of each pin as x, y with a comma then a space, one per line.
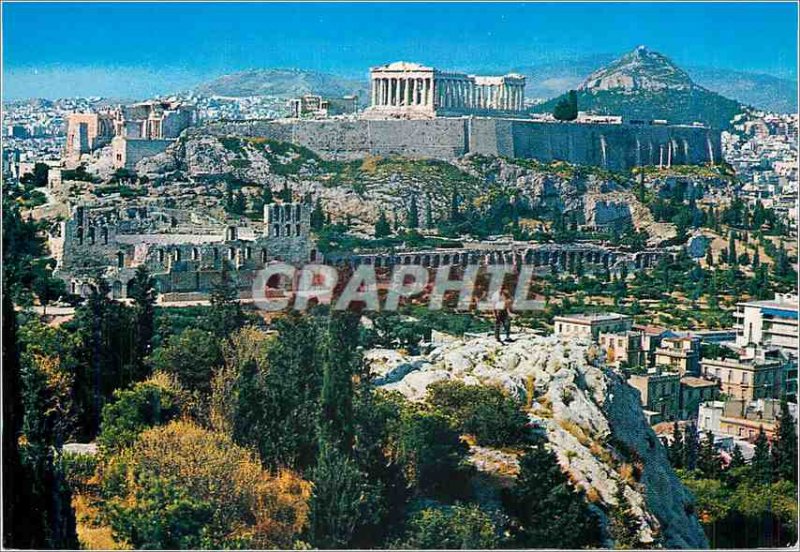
127, 152
615, 147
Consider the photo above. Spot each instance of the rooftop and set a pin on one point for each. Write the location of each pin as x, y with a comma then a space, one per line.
593, 317
692, 381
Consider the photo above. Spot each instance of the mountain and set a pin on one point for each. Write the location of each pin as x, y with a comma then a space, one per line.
767, 92
281, 82
644, 84
761, 91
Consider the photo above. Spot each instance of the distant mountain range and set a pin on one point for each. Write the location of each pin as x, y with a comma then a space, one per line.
281, 82
549, 80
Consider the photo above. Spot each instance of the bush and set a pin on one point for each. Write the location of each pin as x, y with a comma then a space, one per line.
488, 413
461, 526
149, 403
191, 357
181, 486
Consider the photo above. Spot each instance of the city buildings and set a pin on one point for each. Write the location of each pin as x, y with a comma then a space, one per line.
772, 324
755, 375
679, 354
623, 348
591, 325
741, 419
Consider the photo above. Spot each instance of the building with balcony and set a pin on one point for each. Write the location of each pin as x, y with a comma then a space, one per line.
772, 324
742, 419
757, 374
623, 348
679, 354
591, 325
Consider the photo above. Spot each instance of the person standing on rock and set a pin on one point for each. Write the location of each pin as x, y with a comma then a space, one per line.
502, 314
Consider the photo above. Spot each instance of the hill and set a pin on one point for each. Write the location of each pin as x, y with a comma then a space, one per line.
282, 83
647, 85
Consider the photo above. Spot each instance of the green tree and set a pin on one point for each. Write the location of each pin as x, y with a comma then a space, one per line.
226, 315
429, 451
276, 408
690, 447
38, 177
490, 414
737, 459
141, 290
623, 523
784, 447
318, 216
761, 464
548, 511
191, 357
457, 527
341, 363
343, 499
708, 459
675, 448
382, 228
567, 108
147, 404
413, 214
732, 257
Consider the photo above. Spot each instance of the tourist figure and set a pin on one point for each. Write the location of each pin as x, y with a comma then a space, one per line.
501, 305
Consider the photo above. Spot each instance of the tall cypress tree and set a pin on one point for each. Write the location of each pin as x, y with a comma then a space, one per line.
708, 460
732, 257
623, 524
226, 315
784, 448
413, 214
761, 464
142, 292
675, 449
340, 365
690, 447
549, 512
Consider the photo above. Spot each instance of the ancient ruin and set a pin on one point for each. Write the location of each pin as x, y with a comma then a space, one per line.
413, 91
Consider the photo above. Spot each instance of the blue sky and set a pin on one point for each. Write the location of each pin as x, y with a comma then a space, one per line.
57, 50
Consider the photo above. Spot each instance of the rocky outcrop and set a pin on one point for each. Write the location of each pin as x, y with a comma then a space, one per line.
593, 420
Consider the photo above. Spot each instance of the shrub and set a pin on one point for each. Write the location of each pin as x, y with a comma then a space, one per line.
149, 403
181, 486
489, 413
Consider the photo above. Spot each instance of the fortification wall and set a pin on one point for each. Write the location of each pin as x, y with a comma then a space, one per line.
127, 152
611, 146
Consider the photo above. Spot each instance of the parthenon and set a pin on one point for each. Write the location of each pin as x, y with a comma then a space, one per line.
410, 90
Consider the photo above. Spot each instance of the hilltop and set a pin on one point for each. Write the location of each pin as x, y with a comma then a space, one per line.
644, 84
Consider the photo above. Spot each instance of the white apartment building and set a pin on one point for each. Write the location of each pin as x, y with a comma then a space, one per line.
772, 324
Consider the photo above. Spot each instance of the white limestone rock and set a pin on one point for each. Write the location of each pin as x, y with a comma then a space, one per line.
593, 420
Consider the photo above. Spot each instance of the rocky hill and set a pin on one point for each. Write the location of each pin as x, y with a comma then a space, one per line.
359, 190
592, 418
285, 83
647, 85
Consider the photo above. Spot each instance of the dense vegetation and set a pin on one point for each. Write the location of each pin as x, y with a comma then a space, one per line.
742, 505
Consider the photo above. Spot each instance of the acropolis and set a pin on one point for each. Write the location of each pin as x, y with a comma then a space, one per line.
412, 91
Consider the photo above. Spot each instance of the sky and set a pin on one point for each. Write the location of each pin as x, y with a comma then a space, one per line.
139, 49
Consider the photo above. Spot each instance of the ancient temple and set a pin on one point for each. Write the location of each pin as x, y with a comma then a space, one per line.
410, 90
